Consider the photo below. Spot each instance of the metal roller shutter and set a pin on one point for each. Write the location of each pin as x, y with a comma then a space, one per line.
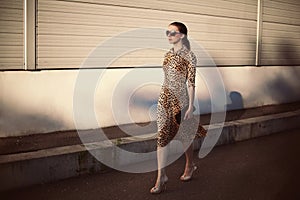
11, 34
69, 30
281, 32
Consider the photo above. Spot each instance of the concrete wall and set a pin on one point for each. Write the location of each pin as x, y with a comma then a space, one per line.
43, 101
60, 35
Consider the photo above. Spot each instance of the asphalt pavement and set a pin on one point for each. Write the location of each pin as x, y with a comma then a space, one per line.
261, 168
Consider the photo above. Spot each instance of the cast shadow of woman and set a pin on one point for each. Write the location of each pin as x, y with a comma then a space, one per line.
236, 107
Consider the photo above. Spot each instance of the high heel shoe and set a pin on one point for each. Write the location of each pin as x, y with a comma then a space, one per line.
161, 187
187, 178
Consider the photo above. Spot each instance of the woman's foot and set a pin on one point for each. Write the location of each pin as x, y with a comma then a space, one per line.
160, 185
188, 173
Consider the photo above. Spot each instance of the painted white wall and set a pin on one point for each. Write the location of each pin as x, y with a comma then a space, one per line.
47, 101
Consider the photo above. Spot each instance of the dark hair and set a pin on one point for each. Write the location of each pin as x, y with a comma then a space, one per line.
183, 29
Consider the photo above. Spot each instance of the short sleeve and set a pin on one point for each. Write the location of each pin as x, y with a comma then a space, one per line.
191, 70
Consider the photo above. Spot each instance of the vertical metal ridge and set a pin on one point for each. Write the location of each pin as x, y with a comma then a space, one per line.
259, 32
29, 34
25, 33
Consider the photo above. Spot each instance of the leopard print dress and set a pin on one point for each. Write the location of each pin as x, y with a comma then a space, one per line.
179, 73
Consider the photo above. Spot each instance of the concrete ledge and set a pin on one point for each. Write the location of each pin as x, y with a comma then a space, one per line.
244, 129
24, 169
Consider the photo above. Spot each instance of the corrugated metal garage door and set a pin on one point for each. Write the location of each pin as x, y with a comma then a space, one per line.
281, 32
11, 34
68, 30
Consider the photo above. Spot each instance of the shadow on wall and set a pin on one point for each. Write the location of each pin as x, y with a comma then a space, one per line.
288, 54
236, 101
15, 123
235, 105
285, 86
283, 89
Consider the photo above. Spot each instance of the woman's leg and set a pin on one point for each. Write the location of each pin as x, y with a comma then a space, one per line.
189, 164
189, 158
162, 155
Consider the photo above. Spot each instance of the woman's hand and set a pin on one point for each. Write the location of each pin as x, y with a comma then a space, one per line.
188, 114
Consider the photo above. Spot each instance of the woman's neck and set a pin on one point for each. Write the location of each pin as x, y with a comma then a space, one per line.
177, 46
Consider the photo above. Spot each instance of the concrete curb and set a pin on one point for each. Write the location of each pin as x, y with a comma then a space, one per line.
24, 169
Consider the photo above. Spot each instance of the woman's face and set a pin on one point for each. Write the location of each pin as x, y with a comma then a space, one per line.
173, 34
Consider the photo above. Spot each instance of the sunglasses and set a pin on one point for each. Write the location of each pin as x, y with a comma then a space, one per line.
172, 33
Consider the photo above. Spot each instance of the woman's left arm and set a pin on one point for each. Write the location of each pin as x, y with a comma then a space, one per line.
190, 110
191, 74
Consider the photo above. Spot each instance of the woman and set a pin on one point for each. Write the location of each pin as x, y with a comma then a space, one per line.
175, 104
